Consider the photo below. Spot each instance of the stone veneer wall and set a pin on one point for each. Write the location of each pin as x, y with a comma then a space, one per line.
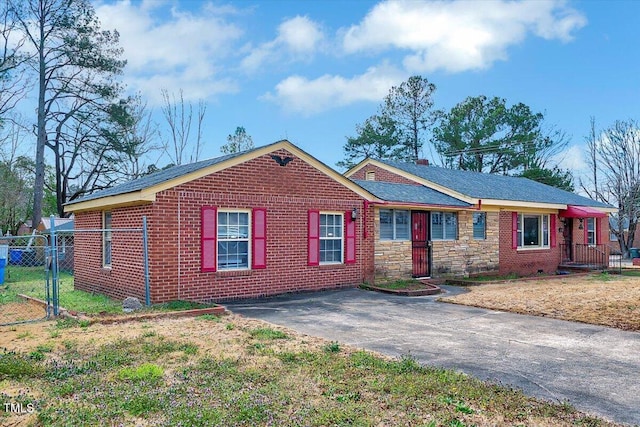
392, 257
460, 257
467, 255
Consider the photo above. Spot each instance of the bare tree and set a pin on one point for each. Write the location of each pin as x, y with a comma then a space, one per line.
135, 138
75, 64
181, 147
13, 85
614, 160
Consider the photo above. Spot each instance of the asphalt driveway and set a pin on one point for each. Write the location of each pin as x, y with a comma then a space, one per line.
597, 369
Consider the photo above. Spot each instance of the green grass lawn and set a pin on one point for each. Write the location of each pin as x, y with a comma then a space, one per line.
31, 281
400, 284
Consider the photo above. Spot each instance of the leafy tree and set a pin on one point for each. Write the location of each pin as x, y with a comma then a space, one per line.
614, 160
555, 177
178, 114
377, 138
16, 188
409, 106
237, 142
397, 131
75, 63
484, 135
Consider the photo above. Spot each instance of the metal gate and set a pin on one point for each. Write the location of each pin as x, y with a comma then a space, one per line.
28, 278
420, 249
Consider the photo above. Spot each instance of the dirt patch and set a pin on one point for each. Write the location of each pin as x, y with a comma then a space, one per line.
27, 337
21, 311
608, 300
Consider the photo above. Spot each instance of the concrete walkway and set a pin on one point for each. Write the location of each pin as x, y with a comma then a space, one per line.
596, 369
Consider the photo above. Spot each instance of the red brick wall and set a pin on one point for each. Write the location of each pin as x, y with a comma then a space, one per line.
529, 261
381, 175
125, 278
287, 193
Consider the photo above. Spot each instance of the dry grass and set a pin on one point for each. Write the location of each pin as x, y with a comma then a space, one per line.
237, 371
599, 299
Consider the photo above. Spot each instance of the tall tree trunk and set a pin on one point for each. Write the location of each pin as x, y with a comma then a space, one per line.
38, 186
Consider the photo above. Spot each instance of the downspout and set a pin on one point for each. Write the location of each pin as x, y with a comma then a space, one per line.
364, 219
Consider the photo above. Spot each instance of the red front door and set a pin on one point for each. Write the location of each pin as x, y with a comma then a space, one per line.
420, 243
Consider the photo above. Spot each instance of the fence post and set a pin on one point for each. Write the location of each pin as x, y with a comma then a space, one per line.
54, 265
145, 249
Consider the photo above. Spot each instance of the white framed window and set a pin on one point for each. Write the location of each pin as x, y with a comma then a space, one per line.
331, 238
533, 231
370, 176
395, 224
479, 225
591, 231
106, 239
444, 225
233, 236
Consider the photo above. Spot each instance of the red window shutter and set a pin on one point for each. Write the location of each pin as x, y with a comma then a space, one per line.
259, 233
514, 230
314, 238
598, 231
209, 234
350, 239
553, 232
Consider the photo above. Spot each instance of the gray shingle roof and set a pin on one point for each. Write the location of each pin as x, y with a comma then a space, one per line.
158, 177
491, 186
408, 193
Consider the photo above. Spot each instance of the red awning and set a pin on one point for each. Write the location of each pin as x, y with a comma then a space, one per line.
581, 212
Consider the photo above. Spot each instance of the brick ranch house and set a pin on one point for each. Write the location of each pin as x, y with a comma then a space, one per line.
274, 219
434, 221
266, 221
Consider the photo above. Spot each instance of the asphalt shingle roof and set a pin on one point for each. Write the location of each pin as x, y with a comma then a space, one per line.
492, 186
159, 177
408, 193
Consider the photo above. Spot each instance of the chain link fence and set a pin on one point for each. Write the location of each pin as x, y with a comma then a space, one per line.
25, 278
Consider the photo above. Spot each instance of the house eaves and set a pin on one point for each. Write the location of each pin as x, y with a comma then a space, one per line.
144, 190
483, 189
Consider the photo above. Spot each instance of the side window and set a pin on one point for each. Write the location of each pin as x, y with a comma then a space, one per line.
591, 231
479, 225
106, 239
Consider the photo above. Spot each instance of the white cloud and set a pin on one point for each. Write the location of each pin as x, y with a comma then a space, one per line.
459, 35
298, 39
170, 48
573, 159
299, 94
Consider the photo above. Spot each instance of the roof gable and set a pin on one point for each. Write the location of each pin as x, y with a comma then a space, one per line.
144, 189
474, 186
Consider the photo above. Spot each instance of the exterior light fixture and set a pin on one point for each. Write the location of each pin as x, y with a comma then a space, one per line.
354, 214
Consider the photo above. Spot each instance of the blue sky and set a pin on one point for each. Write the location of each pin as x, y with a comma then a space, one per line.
309, 71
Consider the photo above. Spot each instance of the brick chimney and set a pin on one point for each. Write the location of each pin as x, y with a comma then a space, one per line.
423, 162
